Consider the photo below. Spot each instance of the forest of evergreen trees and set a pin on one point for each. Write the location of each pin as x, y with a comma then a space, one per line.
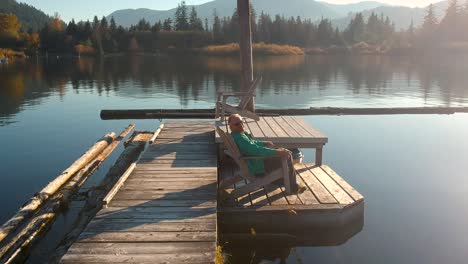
186, 31
452, 28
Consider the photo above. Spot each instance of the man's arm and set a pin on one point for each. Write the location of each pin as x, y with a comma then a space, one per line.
254, 148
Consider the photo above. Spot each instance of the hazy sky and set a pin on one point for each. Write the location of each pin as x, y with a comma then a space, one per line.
86, 9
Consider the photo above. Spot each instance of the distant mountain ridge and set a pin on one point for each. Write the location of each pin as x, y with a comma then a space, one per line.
345, 9
306, 9
400, 15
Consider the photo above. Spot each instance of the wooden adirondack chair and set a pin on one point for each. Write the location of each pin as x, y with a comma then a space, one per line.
245, 97
254, 183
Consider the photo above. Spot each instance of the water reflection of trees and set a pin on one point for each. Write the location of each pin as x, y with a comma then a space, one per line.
198, 78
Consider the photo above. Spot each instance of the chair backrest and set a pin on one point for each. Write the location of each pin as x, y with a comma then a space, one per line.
234, 153
250, 93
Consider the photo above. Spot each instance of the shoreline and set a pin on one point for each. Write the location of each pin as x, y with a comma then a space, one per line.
9, 55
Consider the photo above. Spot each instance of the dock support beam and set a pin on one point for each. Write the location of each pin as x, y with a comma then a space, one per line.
245, 44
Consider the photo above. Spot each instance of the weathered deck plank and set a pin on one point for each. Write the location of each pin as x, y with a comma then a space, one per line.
345, 185
322, 194
340, 195
283, 131
324, 189
279, 131
317, 216
165, 212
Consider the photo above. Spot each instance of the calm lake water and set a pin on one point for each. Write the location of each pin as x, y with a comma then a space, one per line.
412, 169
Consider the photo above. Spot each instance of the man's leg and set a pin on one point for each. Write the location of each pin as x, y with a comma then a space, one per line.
274, 163
292, 174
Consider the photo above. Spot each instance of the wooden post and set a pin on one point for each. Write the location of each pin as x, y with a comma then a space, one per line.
245, 44
318, 156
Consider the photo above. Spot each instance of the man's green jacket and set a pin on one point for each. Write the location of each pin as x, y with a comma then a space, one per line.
250, 147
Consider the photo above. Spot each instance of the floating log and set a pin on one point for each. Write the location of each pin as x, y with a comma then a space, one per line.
23, 239
210, 113
133, 148
38, 199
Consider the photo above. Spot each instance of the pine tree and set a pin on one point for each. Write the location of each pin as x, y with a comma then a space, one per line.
104, 23
225, 29
72, 28
96, 23
167, 25
156, 27
217, 28
264, 28
337, 39
325, 32
113, 25
232, 32
195, 23
278, 30
449, 25
299, 38
143, 25
88, 30
310, 31
374, 29
181, 17
356, 29
430, 22
253, 22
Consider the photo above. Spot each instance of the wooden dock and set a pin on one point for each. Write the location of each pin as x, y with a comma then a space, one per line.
167, 209
165, 212
327, 213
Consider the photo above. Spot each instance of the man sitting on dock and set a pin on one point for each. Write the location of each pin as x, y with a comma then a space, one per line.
251, 147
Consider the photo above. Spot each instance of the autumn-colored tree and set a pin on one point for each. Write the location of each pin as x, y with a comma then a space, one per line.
9, 27
32, 41
56, 25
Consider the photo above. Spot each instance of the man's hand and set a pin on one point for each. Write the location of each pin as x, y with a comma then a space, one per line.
283, 152
269, 144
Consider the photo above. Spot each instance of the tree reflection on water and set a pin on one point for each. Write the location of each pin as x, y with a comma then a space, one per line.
302, 81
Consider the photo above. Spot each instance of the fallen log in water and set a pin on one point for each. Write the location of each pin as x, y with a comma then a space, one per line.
110, 195
39, 198
133, 148
16, 246
210, 113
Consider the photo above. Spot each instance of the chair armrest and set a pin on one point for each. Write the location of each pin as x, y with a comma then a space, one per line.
259, 157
